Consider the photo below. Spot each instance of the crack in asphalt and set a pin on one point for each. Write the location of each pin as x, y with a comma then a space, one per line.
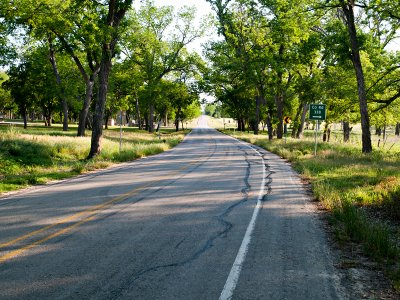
268, 178
221, 219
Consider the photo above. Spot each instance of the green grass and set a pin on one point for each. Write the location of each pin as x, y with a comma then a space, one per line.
354, 187
40, 154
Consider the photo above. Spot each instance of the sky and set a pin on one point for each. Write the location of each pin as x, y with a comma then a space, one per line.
202, 5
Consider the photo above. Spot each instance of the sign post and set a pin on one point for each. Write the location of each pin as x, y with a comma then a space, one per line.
317, 113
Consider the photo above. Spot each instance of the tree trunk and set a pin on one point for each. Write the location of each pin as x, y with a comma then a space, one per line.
346, 131
362, 95
48, 117
239, 124
177, 119
151, 117
83, 115
97, 131
296, 121
270, 129
138, 117
279, 97
257, 115
397, 130
64, 102
300, 130
89, 121
166, 119
146, 122
25, 118
106, 119
89, 82
327, 133
279, 108
378, 131
384, 132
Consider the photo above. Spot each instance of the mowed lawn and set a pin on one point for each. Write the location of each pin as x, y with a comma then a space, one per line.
40, 154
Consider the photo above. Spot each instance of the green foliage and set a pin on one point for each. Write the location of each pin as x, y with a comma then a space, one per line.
6, 102
155, 47
210, 110
32, 84
215, 110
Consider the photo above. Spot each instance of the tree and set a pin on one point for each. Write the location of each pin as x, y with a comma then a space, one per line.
62, 95
156, 44
115, 15
210, 109
80, 40
265, 36
348, 14
245, 31
34, 18
184, 101
6, 101
226, 82
19, 85
7, 50
75, 25
120, 91
365, 42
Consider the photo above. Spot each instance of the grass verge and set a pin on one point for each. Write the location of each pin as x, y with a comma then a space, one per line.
361, 191
38, 154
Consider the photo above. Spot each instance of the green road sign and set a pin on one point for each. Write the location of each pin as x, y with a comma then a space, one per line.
317, 112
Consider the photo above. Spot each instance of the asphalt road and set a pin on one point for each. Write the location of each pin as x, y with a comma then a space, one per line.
212, 218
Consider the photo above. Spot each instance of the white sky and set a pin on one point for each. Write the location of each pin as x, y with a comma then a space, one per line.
202, 5
394, 45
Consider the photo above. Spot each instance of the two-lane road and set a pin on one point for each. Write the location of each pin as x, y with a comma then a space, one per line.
212, 218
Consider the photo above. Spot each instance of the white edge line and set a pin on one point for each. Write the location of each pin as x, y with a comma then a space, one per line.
234, 274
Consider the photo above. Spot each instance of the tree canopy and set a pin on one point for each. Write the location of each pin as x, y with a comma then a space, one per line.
83, 61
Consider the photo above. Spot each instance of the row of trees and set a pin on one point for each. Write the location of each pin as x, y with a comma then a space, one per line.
85, 60
278, 56
274, 59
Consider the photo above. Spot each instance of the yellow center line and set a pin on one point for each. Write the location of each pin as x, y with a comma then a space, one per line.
70, 218
91, 214
17, 252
